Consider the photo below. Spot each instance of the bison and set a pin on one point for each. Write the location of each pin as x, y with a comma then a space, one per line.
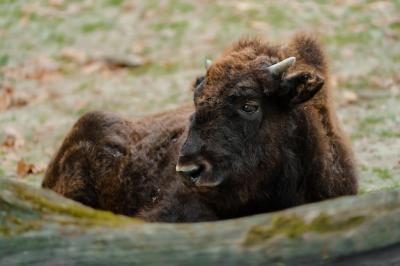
262, 135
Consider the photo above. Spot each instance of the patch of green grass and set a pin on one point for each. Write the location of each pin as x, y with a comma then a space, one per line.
356, 9
344, 38
232, 19
4, 2
4, 59
28, 46
147, 50
372, 120
355, 84
181, 7
33, 17
389, 134
2, 172
172, 97
9, 16
232, 22
59, 38
95, 26
81, 111
362, 191
86, 85
395, 25
364, 167
152, 4
115, 2
177, 26
366, 125
382, 173
277, 16
356, 135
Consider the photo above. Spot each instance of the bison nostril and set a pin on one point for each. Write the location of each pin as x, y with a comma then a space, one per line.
191, 172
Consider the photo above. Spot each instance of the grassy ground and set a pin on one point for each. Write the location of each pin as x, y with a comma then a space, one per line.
49, 74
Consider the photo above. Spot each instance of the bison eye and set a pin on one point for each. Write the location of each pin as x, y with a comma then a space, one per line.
249, 107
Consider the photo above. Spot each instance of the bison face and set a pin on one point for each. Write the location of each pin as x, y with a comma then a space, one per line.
237, 129
222, 133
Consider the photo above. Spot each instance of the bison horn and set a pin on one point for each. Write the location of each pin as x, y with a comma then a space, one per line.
207, 64
281, 66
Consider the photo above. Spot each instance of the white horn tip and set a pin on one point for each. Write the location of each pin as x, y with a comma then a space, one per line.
207, 64
282, 65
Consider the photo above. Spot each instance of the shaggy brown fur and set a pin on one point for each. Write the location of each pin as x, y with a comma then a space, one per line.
258, 143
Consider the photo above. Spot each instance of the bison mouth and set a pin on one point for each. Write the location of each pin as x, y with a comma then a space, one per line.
198, 175
208, 183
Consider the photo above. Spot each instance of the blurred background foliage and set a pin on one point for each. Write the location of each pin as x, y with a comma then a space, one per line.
60, 59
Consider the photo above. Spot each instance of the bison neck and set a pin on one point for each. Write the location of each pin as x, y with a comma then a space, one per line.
323, 164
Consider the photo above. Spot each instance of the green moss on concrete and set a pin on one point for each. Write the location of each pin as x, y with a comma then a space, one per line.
13, 225
293, 226
81, 215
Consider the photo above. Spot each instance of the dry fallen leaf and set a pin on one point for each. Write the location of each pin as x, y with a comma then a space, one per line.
22, 99
350, 97
6, 94
92, 67
129, 6
23, 168
12, 139
9, 98
73, 54
56, 3
43, 68
125, 61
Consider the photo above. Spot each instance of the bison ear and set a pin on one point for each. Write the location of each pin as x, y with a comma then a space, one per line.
299, 87
294, 87
306, 77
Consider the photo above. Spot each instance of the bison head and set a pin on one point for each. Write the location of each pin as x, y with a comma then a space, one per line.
242, 118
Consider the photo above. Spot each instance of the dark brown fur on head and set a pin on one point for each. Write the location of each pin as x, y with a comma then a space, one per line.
256, 141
